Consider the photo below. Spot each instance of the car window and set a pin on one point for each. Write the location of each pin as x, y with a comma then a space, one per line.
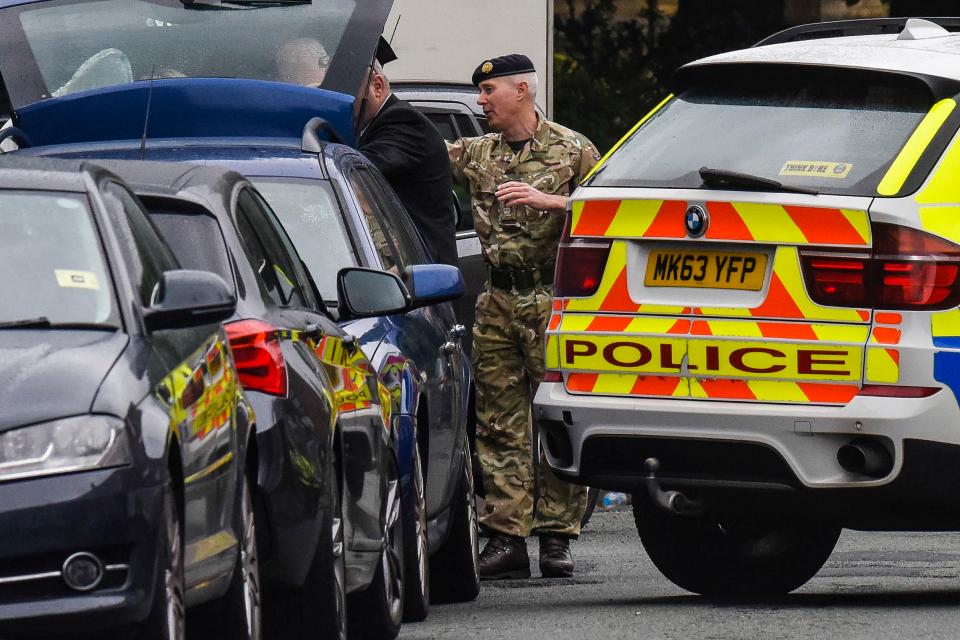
444, 124
393, 218
147, 257
273, 266
465, 125
52, 261
383, 242
311, 216
195, 238
815, 131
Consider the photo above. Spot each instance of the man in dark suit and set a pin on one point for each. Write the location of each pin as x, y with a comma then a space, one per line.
405, 146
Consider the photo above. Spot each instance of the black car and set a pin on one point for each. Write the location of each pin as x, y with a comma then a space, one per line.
328, 481
125, 437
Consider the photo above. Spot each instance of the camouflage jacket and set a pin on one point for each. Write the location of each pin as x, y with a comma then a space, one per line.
554, 161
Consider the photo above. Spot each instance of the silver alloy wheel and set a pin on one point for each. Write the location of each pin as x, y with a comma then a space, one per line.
249, 565
423, 552
391, 556
173, 573
339, 574
472, 518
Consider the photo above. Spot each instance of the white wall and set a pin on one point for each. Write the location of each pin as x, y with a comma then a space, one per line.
445, 40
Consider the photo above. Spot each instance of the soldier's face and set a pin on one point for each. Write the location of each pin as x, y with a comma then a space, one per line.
501, 102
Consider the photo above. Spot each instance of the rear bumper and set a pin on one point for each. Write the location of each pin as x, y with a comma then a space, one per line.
113, 514
784, 456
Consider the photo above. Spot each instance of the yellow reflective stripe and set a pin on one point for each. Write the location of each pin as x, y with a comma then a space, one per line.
942, 220
769, 223
777, 391
881, 367
734, 329
919, 141
574, 323
552, 353
650, 325
725, 312
945, 323
633, 218
576, 210
841, 333
626, 137
943, 187
860, 221
615, 384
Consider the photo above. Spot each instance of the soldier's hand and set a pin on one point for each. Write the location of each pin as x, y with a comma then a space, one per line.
517, 193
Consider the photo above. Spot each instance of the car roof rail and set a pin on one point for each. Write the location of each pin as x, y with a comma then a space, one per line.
843, 28
310, 142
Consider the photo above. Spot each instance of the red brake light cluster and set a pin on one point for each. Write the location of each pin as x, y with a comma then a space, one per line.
580, 265
907, 269
258, 356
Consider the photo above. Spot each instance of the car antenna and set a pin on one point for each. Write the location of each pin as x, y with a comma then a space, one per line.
146, 116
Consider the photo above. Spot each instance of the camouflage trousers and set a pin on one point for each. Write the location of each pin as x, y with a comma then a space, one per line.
508, 366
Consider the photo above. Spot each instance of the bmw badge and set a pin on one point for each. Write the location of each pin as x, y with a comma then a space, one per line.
696, 221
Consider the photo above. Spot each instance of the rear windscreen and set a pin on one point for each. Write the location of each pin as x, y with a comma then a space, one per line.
832, 133
196, 241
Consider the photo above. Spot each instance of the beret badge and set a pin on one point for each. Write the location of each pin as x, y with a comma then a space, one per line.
487, 67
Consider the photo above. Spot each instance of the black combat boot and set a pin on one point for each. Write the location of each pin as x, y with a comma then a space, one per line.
504, 557
555, 559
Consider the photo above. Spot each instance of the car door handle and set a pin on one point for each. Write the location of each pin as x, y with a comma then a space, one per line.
458, 331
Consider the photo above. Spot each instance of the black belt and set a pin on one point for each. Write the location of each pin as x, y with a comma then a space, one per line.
520, 280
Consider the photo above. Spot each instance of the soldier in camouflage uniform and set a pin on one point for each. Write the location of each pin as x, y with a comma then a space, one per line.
520, 179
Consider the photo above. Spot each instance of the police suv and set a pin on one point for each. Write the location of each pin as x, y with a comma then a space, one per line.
756, 326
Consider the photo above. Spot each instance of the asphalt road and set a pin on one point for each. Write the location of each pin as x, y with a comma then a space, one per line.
876, 585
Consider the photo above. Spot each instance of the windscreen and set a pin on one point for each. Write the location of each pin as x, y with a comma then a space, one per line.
52, 262
828, 133
79, 46
311, 217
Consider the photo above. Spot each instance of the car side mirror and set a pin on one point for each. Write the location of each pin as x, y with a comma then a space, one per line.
433, 283
188, 298
365, 293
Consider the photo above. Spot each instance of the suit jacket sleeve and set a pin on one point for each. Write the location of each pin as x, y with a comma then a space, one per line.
397, 145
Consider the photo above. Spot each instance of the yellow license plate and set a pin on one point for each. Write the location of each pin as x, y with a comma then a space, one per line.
706, 269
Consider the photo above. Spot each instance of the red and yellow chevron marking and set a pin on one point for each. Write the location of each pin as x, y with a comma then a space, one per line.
739, 221
704, 389
882, 365
786, 296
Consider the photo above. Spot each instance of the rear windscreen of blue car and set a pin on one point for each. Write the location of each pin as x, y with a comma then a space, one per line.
83, 45
310, 214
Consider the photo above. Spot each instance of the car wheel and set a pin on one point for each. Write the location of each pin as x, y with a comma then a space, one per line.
318, 609
416, 551
377, 611
720, 555
167, 619
454, 568
238, 613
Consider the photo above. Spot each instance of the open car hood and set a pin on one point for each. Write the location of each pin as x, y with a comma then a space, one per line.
53, 49
183, 109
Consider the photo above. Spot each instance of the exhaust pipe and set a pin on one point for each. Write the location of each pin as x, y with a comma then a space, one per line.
866, 457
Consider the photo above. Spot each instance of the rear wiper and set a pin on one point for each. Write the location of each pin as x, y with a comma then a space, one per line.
724, 179
44, 322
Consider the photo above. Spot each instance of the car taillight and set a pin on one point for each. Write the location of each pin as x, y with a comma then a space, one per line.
552, 376
907, 269
258, 356
580, 265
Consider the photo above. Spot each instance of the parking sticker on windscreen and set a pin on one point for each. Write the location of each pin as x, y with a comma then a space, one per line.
76, 279
816, 169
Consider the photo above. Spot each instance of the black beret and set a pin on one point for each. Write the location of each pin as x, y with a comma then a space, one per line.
503, 66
